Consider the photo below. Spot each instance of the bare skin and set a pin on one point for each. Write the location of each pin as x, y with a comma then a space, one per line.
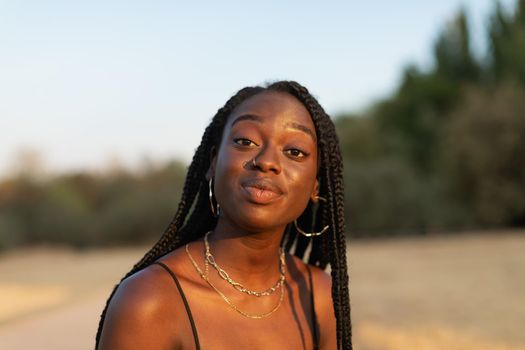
276, 130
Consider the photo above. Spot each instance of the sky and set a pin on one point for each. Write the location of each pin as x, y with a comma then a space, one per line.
83, 83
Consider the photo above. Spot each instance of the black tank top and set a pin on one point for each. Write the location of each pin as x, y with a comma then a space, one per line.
192, 322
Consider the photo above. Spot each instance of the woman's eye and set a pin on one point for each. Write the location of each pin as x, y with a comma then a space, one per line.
296, 153
244, 142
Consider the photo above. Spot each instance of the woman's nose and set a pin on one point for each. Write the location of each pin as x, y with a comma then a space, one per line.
268, 160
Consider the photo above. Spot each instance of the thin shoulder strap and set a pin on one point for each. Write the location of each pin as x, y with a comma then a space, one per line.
188, 311
314, 317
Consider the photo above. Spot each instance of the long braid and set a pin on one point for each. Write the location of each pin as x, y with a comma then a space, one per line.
327, 249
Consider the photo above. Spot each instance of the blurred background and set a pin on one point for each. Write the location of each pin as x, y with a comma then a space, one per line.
102, 105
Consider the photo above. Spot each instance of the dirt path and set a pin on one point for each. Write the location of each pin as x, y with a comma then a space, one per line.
52, 298
71, 327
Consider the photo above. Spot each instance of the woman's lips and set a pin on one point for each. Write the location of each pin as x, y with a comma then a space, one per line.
260, 196
261, 191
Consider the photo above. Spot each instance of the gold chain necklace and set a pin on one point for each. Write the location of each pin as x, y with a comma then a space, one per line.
224, 275
225, 298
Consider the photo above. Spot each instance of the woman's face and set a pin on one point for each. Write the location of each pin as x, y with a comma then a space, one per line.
277, 131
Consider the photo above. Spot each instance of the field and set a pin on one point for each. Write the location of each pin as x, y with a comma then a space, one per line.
442, 292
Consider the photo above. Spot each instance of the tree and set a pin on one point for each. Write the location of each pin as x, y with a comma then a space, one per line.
483, 154
507, 44
452, 51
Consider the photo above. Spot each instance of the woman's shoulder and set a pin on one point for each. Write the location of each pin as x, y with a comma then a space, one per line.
152, 287
321, 289
319, 275
145, 289
141, 311
321, 280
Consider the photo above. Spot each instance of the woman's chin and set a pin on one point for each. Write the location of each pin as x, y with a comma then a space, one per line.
257, 221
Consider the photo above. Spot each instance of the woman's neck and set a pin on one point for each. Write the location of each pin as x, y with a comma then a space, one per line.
249, 255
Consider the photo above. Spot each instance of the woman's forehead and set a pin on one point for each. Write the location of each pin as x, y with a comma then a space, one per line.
277, 106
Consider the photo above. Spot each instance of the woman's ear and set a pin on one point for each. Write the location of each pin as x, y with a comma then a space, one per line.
315, 192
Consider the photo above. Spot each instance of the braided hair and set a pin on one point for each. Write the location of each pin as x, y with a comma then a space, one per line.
320, 251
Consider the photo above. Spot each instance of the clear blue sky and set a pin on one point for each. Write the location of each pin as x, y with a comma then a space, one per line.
82, 82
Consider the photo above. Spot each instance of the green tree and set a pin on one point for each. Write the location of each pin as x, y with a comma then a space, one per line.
414, 115
507, 43
483, 154
452, 52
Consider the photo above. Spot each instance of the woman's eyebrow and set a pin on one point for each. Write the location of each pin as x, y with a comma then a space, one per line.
302, 128
291, 125
251, 117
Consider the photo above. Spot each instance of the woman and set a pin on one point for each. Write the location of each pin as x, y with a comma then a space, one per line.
265, 190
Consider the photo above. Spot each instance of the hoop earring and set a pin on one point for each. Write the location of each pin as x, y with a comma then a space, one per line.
319, 198
312, 234
214, 211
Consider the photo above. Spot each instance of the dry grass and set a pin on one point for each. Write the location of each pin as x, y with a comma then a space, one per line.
451, 292
374, 336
